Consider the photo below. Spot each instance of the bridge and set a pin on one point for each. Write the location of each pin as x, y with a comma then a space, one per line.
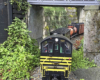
64, 2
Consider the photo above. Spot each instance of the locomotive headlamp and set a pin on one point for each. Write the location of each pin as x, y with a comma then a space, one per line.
56, 39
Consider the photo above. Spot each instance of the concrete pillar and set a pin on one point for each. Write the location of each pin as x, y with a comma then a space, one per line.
92, 33
35, 22
80, 14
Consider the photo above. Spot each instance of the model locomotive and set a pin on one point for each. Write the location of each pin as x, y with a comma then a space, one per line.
56, 52
56, 57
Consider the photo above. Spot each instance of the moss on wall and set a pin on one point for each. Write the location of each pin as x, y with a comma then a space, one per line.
55, 17
72, 14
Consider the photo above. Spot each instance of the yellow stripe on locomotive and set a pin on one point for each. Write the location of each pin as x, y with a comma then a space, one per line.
56, 58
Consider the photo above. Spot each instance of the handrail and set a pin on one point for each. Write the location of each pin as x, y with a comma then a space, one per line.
64, 2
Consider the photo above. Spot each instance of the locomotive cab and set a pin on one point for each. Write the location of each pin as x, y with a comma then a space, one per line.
56, 56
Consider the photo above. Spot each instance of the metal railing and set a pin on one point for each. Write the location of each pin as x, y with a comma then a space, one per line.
64, 2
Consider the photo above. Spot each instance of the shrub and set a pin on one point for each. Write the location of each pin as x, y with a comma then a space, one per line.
78, 61
19, 53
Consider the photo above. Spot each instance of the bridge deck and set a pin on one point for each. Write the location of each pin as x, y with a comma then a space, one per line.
65, 2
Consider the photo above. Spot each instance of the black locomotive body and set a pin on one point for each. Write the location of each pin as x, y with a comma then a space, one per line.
56, 57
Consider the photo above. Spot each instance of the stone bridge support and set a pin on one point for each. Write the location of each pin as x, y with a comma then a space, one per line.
35, 22
80, 14
90, 15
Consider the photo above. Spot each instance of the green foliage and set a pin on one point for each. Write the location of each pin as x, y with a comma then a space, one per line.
22, 4
78, 61
19, 53
56, 17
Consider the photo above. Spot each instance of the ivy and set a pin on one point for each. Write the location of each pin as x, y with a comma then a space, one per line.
78, 61
21, 4
19, 53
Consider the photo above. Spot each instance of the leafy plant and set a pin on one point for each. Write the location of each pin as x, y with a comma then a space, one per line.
19, 53
21, 4
78, 61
